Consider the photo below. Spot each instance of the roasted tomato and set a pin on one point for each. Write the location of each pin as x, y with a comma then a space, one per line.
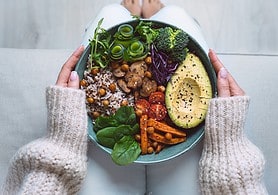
142, 105
157, 98
157, 112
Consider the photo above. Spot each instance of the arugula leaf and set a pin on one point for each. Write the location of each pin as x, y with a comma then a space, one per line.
125, 151
99, 47
145, 30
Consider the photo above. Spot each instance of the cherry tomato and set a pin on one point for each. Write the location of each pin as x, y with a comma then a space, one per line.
157, 97
157, 112
143, 105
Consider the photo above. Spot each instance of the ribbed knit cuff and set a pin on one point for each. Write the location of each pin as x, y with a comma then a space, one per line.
225, 118
67, 118
230, 163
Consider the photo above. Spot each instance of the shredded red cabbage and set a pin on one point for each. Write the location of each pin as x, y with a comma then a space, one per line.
161, 67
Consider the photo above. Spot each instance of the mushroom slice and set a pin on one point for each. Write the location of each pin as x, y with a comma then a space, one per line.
133, 80
118, 72
148, 87
122, 84
138, 67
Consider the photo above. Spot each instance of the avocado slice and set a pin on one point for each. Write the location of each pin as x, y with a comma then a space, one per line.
188, 93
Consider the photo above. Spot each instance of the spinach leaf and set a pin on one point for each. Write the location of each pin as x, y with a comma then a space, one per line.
136, 128
110, 135
125, 151
132, 119
117, 132
106, 137
125, 115
105, 121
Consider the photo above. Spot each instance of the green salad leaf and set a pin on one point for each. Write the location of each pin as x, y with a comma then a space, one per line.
146, 31
100, 46
105, 121
125, 115
109, 136
125, 151
117, 132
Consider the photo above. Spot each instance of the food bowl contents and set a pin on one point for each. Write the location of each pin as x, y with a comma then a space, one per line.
103, 95
145, 90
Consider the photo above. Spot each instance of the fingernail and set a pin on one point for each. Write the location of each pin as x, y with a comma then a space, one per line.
223, 73
73, 75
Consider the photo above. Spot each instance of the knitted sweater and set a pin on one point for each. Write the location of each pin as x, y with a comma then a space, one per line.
56, 164
230, 163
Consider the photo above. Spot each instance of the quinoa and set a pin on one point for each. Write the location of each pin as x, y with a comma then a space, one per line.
102, 80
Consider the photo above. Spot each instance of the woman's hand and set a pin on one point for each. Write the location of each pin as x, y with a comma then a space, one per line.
67, 77
226, 84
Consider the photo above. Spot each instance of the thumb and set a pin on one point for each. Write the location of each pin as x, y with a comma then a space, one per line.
223, 83
73, 80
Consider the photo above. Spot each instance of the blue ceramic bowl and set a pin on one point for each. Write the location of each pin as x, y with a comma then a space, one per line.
193, 135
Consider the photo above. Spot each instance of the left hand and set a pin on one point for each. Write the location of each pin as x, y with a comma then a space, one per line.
67, 77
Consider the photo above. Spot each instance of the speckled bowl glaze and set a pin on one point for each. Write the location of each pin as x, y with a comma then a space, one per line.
193, 135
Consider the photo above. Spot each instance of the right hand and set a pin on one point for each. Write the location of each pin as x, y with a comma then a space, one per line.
226, 84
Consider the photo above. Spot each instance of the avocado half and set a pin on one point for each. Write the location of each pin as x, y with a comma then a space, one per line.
188, 93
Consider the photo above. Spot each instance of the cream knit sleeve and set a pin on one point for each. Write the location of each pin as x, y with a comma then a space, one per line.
55, 164
230, 163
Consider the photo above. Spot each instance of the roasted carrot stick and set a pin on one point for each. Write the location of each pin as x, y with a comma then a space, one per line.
161, 139
165, 128
143, 132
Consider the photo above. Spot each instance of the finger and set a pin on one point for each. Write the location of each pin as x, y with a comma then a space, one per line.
222, 75
69, 65
223, 83
235, 89
216, 63
73, 80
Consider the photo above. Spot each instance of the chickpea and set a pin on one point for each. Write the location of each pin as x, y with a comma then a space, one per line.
137, 137
150, 150
95, 114
90, 100
168, 136
150, 130
139, 112
154, 144
125, 67
124, 103
102, 92
148, 60
105, 103
148, 74
83, 83
161, 88
112, 87
94, 71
